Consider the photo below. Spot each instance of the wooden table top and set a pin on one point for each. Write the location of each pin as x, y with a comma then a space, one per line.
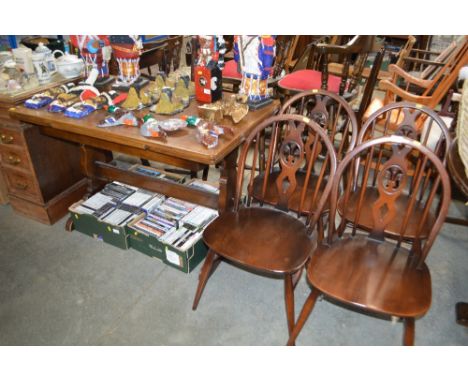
181, 144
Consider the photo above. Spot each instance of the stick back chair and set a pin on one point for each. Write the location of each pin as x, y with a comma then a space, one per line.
333, 114
270, 240
366, 270
415, 122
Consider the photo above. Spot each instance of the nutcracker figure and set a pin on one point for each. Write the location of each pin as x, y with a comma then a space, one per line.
127, 50
255, 56
96, 52
207, 71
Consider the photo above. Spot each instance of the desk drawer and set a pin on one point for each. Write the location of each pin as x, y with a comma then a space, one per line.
22, 185
10, 137
13, 157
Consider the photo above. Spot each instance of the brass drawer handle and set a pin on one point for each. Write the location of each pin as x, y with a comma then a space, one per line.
7, 139
14, 160
21, 186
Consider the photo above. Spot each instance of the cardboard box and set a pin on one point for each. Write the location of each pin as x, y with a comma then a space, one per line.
92, 226
184, 261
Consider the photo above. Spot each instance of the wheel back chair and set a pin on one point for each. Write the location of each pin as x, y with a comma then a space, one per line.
266, 239
415, 122
366, 270
333, 114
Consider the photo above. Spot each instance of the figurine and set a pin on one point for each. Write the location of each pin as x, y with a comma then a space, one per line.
207, 72
254, 56
96, 52
170, 104
127, 50
43, 99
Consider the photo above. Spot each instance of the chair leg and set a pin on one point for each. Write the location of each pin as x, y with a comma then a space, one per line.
205, 273
289, 299
205, 173
308, 306
408, 335
296, 277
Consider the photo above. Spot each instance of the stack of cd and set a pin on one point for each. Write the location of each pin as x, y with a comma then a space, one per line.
164, 217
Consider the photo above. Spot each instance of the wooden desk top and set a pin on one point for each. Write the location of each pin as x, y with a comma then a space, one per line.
181, 144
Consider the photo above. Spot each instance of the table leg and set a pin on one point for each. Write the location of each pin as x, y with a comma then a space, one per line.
227, 182
89, 155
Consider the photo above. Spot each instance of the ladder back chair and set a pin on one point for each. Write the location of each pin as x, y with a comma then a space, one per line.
366, 270
265, 239
414, 122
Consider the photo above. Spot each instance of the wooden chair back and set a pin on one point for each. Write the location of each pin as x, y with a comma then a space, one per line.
412, 121
429, 187
288, 153
434, 89
285, 46
331, 112
431, 65
405, 51
354, 52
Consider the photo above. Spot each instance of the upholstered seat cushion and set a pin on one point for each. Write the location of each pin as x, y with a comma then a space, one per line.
308, 79
373, 275
261, 238
230, 70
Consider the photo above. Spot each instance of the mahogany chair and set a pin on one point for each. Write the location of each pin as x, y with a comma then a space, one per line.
311, 71
270, 240
333, 114
414, 122
367, 271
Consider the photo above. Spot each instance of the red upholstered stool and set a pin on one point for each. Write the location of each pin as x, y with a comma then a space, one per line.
308, 79
230, 70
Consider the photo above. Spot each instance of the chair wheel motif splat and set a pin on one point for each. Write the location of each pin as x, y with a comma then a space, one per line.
414, 122
264, 239
367, 270
333, 114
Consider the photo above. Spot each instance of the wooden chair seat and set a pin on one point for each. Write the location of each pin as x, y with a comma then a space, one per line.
308, 79
260, 238
373, 275
271, 192
366, 222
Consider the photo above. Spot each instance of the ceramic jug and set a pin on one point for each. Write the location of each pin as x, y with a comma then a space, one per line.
41, 67
49, 57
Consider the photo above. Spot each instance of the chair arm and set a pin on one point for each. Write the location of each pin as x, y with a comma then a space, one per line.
422, 61
391, 87
425, 51
393, 69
